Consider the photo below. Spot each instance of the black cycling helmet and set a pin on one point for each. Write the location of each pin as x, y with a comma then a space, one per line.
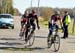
33, 11
65, 11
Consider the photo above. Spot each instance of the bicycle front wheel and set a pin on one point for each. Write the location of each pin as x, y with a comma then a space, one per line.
31, 39
49, 41
56, 42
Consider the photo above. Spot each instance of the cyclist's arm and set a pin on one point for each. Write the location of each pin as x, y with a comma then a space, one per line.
52, 19
60, 21
37, 22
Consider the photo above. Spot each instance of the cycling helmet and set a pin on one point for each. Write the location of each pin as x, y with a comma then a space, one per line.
33, 11
57, 12
66, 12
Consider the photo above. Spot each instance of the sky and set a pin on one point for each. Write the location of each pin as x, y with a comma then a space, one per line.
22, 5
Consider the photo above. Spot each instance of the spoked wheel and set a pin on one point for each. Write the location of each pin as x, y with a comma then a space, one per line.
31, 39
56, 42
49, 41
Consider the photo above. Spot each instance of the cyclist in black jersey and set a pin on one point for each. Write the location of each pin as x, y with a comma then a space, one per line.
31, 18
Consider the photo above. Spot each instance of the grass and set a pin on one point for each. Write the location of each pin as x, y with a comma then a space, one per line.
70, 28
45, 25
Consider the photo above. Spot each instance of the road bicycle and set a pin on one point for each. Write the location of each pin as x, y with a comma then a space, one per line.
30, 37
54, 39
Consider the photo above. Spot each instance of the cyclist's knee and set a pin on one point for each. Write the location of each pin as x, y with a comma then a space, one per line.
33, 27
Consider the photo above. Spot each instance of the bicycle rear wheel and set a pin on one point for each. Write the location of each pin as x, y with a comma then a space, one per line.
21, 35
56, 42
31, 39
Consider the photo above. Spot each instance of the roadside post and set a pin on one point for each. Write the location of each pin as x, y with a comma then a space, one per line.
73, 25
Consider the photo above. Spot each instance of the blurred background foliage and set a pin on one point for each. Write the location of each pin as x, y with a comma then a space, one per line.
6, 6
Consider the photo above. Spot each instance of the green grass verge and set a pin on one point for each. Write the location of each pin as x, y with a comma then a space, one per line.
44, 24
70, 28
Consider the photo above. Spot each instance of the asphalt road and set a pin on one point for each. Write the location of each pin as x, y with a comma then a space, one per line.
10, 42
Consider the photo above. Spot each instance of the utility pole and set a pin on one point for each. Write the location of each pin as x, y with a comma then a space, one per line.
31, 5
73, 25
38, 7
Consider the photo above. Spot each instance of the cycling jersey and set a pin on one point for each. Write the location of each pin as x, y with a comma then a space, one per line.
54, 22
55, 18
24, 19
32, 18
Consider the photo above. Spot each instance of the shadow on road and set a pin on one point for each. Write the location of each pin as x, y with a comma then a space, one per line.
71, 42
8, 39
21, 49
40, 37
7, 43
71, 38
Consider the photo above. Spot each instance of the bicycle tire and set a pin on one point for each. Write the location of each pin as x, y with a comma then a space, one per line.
31, 39
21, 34
49, 41
56, 41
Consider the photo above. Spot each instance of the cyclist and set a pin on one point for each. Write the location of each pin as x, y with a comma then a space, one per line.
66, 20
31, 18
53, 22
24, 20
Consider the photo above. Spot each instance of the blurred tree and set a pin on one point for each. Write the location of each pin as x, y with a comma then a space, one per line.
46, 12
6, 6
